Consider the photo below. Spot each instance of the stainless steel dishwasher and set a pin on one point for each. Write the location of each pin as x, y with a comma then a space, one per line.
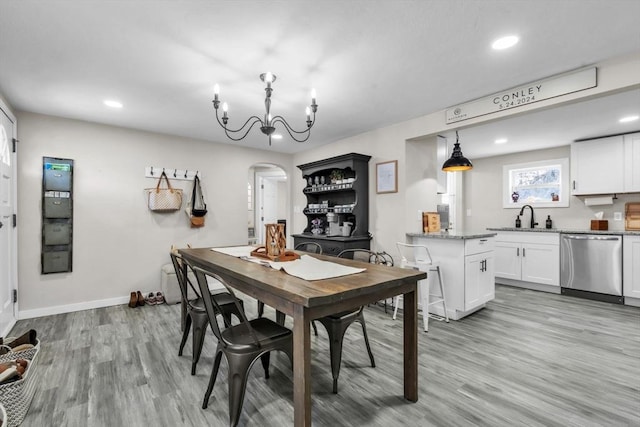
591, 266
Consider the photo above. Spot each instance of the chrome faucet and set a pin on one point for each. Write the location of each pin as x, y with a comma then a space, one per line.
533, 223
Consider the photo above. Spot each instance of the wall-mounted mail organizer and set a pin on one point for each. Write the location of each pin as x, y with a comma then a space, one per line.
57, 215
183, 174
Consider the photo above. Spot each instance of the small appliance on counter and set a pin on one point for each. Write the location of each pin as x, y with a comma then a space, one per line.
346, 228
632, 216
334, 228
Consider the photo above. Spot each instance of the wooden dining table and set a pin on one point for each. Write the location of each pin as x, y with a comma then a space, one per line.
308, 300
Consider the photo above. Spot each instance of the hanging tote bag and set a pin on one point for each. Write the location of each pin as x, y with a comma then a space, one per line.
196, 208
164, 199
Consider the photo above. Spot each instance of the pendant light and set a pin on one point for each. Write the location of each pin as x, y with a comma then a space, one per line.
457, 161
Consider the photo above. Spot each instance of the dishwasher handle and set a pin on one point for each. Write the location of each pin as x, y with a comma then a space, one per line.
610, 238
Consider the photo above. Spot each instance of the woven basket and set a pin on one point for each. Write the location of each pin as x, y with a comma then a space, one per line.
16, 396
3, 414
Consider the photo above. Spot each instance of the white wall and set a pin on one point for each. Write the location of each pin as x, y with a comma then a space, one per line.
118, 244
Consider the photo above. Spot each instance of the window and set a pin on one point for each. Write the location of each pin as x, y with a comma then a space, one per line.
540, 184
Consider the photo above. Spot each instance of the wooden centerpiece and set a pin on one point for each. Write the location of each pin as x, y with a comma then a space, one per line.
275, 245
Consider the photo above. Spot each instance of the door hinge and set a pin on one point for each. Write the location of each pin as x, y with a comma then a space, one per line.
15, 296
15, 220
15, 144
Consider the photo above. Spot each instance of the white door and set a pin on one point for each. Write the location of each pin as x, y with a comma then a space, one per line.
8, 258
267, 205
267, 199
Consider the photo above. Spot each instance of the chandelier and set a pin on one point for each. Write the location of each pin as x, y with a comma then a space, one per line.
268, 124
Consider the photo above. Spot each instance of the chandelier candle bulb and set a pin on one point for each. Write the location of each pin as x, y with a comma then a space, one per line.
216, 92
313, 96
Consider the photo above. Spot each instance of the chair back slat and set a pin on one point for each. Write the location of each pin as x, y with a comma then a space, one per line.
364, 255
212, 307
311, 247
414, 255
182, 275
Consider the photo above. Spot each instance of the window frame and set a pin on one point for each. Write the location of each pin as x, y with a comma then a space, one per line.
563, 185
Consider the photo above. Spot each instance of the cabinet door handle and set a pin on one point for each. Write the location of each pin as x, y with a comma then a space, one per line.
517, 251
574, 184
523, 252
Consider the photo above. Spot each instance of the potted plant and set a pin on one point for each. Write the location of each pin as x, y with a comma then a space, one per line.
336, 175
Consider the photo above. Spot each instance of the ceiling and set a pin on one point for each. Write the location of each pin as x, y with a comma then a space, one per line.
373, 63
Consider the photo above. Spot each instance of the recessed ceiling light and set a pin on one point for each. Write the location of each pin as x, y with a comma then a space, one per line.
505, 42
629, 119
500, 141
113, 104
276, 136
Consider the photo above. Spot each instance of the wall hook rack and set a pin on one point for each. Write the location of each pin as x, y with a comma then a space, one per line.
178, 174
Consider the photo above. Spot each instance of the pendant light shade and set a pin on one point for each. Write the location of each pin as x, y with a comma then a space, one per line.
457, 161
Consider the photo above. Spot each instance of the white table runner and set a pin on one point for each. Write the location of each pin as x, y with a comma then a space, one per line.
307, 267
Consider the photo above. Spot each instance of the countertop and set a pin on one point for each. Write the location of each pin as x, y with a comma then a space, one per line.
459, 235
567, 231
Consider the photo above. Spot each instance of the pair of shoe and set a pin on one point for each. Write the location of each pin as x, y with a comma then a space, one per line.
153, 299
25, 341
136, 299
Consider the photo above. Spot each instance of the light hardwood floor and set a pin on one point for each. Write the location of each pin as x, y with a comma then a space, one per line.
528, 359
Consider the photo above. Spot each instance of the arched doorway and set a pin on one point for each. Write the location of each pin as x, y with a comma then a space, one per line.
267, 199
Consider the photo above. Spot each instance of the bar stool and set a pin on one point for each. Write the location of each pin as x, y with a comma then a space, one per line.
419, 258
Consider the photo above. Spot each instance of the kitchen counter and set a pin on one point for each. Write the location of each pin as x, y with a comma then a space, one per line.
460, 235
466, 262
567, 230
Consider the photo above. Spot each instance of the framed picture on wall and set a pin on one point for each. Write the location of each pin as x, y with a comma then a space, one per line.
387, 177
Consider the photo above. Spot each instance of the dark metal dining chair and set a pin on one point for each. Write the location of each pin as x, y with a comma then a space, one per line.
195, 314
242, 345
311, 247
337, 324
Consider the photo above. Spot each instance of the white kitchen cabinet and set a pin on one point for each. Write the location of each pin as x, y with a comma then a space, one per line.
597, 166
606, 165
631, 269
479, 279
467, 268
525, 258
632, 163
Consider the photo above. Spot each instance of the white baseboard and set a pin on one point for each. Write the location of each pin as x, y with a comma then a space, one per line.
70, 308
635, 302
528, 285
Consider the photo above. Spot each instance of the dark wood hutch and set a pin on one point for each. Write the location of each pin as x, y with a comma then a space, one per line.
337, 191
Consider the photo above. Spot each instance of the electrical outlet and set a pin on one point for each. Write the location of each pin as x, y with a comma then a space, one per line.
617, 216
468, 212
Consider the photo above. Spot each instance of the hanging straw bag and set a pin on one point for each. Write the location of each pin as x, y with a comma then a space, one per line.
164, 199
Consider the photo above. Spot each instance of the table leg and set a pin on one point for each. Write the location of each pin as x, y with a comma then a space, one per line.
301, 368
280, 317
411, 346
